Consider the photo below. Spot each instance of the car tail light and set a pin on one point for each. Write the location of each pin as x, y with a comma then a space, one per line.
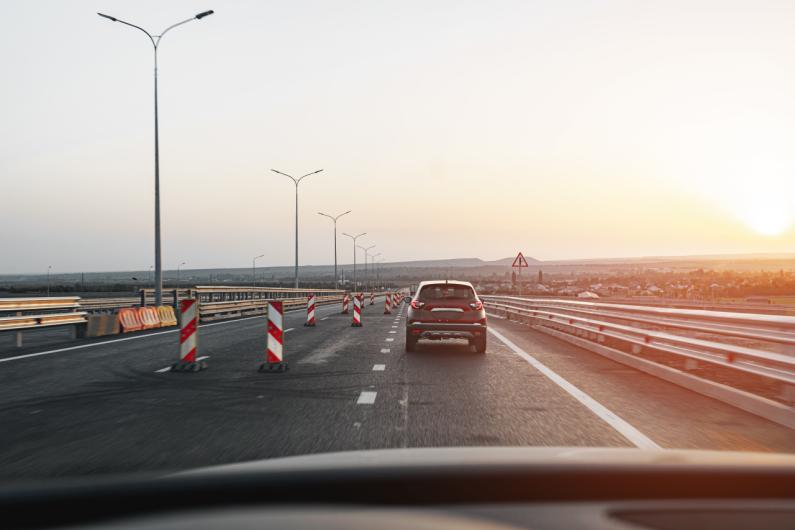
477, 306
416, 304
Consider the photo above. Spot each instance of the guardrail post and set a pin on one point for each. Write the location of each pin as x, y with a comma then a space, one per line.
143, 297
19, 333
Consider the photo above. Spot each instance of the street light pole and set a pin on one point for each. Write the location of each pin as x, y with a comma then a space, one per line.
296, 181
179, 281
254, 269
366, 276
155, 39
49, 267
354, 238
375, 267
334, 219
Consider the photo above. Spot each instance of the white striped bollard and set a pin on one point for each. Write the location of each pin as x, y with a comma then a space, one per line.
274, 355
357, 312
310, 311
372, 298
345, 300
387, 305
189, 323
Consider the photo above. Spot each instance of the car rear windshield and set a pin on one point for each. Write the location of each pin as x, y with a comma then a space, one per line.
442, 291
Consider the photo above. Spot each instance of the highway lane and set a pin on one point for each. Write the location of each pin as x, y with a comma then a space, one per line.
106, 409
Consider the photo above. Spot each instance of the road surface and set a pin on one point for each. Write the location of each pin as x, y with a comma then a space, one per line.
107, 406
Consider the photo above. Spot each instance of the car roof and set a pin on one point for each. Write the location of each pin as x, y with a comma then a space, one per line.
449, 282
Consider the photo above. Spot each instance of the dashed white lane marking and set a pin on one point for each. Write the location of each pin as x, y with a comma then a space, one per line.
393, 331
136, 337
625, 429
384, 350
324, 318
167, 368
288, 330
366, 398
394, 326
379, 367
390, 339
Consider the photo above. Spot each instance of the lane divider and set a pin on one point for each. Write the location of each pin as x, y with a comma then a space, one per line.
629, 432
366, 398
274, 360
189, 320
357, 312
310, 311
379, 367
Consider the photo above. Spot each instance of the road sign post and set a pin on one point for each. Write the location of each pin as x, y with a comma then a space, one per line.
519, 263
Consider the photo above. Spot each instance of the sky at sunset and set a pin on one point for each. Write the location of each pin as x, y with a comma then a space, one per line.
450, 129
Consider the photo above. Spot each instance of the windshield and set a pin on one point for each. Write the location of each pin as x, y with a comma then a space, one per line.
225, 228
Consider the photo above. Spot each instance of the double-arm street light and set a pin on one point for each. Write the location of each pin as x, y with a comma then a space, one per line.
296, 181
254, 269
354, 238
155, 39
366, 276
334, 219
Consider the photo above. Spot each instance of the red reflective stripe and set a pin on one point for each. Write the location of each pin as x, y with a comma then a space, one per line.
187, 330
274, 331
190, 357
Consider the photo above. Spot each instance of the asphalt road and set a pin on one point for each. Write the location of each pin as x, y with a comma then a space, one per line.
105, 406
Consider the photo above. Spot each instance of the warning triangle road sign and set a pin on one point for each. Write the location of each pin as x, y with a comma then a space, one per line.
519, 261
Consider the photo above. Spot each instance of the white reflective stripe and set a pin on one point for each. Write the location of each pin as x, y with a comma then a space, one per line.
276, 317
274, 346
189, 314
186, 347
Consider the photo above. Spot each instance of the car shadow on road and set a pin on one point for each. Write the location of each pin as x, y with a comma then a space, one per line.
453, 349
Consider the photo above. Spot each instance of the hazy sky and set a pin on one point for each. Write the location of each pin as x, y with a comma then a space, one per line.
451, 129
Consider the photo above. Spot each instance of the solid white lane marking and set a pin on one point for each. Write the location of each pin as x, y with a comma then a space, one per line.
625, 429
289, 330
167, 368
390, 339
379, 367
366, 398
384, 350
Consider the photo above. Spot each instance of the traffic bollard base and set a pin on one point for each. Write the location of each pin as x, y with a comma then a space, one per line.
356, 324
273, 367
309, 324
188, 366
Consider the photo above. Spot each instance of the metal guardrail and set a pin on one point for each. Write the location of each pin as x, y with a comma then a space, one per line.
37, 313
744, 359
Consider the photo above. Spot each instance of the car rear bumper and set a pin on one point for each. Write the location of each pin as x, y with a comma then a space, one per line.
439, 330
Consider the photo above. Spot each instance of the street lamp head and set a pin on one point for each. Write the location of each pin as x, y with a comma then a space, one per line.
204, 14
112, 19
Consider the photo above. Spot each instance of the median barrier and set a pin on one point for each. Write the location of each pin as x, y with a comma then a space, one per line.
149, 317
167, 316
129, 320
100, 326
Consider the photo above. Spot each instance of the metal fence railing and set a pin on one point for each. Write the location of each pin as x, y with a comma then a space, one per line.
745, 359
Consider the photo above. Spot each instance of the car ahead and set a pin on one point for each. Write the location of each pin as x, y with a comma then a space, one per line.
446, 309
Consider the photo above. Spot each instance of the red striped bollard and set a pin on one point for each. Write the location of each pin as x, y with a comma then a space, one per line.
395, 300
345, 300
372, 298
387, 305
357, 312
274, 358
189, 323
310, 311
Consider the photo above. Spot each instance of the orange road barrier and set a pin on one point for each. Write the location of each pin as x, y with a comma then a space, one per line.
167, 316
129, 320
149, 317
